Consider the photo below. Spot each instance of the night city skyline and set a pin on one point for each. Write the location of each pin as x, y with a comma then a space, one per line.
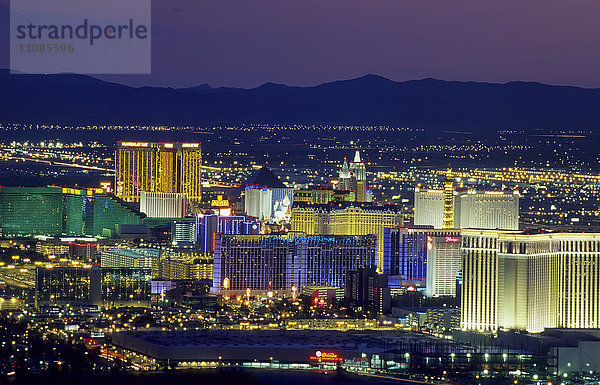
310, 192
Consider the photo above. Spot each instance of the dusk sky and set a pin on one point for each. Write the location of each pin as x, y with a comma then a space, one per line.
244, 43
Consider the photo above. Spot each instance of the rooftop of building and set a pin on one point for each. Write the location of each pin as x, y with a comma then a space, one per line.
51, 189
294, 235
548, 233
554, 337
165, 145
265, 178
315, 339
323, 188
469, 191
135, 253
343, 205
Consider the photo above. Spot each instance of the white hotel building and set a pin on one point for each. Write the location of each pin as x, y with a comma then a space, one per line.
530, 282
443, 265
472, 209
163, 205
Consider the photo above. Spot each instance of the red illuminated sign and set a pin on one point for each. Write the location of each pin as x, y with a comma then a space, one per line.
451, 239
326, 357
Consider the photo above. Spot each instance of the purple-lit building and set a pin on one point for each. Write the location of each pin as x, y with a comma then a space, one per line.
405, 250
280, 262
209, 225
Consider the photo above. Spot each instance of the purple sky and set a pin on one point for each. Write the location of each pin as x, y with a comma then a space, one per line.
245, 43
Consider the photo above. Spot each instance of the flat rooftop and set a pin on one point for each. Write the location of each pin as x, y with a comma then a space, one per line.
261, 345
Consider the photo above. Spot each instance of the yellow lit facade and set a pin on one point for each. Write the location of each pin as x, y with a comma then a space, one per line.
448, 219
186, 265
347, 221
310, 221
52, 248
341, 324
158, 167
11, 304
530, 282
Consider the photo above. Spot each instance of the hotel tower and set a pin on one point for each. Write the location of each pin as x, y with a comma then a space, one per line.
158, 167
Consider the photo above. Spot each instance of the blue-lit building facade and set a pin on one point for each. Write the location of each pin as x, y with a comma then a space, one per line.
325, 260
280, 262
211, 224
405, 251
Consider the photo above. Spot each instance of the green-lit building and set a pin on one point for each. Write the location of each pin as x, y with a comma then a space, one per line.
27, 211
31, 211
104, 211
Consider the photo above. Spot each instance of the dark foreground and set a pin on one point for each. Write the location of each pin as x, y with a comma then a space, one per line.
207, 377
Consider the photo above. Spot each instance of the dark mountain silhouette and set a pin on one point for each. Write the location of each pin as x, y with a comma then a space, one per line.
368, 100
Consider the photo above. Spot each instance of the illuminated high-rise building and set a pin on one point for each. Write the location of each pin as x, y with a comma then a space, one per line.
487, 210
257, 202
310, 219
354, 219
530, 282
32, 211
186, 265
129, 258
79, 286
183, 234
255, 262
26, 211
363, 221
429, 208
443, 265
358, 169
469, 209
163, 205
158, 167
353, 177
368, 289
208, 225
405, 250
126, 286
448, 217
280, 262
345, 177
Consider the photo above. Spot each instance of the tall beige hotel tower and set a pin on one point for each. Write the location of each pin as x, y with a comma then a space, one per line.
158, 167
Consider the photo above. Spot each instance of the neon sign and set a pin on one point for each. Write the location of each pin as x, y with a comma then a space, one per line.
451, 239
326, 357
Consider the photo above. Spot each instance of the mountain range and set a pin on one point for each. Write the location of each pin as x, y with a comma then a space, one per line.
369, 100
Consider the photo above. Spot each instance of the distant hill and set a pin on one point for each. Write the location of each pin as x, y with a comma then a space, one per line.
428, 103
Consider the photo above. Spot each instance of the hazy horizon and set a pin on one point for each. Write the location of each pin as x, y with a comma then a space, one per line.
248, 43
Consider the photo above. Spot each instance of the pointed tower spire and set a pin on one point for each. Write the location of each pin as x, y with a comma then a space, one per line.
357, 157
